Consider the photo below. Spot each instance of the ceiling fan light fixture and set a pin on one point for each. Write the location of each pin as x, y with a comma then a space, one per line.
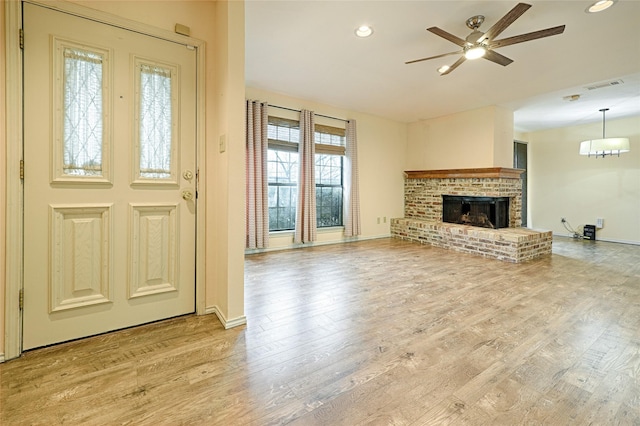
364, 31
480, 44
443, 69
600, 5
475, 52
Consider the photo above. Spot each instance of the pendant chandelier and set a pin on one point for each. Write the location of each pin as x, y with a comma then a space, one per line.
605, 146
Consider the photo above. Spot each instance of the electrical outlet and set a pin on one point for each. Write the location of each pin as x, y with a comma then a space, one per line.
599, 222
385, 219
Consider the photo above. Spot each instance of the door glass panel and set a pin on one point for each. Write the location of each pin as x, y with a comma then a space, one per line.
156, 124
83, 113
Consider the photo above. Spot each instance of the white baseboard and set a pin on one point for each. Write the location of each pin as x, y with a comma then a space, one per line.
608, 240
316, 243
1, 358
226, 323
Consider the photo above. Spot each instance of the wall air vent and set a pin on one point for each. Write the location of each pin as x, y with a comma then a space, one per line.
605, 84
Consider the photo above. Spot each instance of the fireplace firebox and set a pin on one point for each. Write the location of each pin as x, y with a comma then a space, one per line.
486, 212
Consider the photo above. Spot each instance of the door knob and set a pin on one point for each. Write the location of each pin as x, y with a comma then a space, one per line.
187, 194
187, 175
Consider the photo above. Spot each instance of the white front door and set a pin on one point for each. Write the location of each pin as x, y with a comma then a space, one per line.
109, 178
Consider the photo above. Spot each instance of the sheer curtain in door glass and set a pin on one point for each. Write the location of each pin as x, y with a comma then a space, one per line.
83, 122
155, 122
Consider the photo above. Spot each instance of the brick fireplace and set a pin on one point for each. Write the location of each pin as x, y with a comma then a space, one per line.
423, 220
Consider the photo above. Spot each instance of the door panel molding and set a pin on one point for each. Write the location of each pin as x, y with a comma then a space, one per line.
85, 234
14, 256
152, 230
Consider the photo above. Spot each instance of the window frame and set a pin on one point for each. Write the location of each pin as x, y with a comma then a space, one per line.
137, 178
331, 150
320, 149
283, 146
58, 176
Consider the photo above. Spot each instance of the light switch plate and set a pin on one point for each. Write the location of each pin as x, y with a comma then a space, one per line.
223, 143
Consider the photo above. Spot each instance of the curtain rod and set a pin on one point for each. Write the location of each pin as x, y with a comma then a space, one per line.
319, 115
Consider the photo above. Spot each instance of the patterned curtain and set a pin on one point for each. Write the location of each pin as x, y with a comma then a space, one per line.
257, 201
351, 186
306, 211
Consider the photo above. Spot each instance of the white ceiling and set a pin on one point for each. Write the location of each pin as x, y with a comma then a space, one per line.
308, 50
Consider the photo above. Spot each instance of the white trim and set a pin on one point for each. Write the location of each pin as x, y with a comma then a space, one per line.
116, 21
200, 175
1, 358
14, 203
606, 240
227, 324
14, 103
316, 243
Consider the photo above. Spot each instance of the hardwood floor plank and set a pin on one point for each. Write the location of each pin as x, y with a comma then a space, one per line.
377, 332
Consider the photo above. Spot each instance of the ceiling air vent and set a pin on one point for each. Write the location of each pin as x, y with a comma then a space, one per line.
605, 84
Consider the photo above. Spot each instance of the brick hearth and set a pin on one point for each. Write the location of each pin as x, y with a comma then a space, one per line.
423, 192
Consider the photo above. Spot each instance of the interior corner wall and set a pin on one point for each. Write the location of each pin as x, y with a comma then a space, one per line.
381, 156
563, 183
3, 171
226, 164
503, 137
472, 139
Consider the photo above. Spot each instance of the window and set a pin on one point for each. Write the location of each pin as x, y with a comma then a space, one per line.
282, 170
81, 127
83, 135
156, 143
156, 122
330, 150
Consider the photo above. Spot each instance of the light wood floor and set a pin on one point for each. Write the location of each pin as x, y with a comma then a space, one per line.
381, 332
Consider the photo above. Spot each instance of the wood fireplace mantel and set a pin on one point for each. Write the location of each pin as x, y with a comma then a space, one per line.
490, 172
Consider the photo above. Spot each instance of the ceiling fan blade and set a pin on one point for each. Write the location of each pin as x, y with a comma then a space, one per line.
460, 52
526, 37
497, 58
455, 65
442, 33
505, 21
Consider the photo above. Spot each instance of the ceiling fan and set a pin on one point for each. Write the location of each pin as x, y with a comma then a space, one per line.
482, 45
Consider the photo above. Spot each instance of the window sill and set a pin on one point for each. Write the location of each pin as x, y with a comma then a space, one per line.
330, 229
282, 233
318, 230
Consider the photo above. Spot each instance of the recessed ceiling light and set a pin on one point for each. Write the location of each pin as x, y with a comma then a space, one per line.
600, 5
364, 31
443, 68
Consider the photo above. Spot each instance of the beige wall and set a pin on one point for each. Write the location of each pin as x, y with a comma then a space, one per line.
581, 189
225, 170
477, 138
3, 148
221, 25
381, 157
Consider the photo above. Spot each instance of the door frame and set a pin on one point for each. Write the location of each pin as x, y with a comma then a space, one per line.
14, 255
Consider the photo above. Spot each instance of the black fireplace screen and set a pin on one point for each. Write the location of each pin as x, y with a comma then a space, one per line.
486, 212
